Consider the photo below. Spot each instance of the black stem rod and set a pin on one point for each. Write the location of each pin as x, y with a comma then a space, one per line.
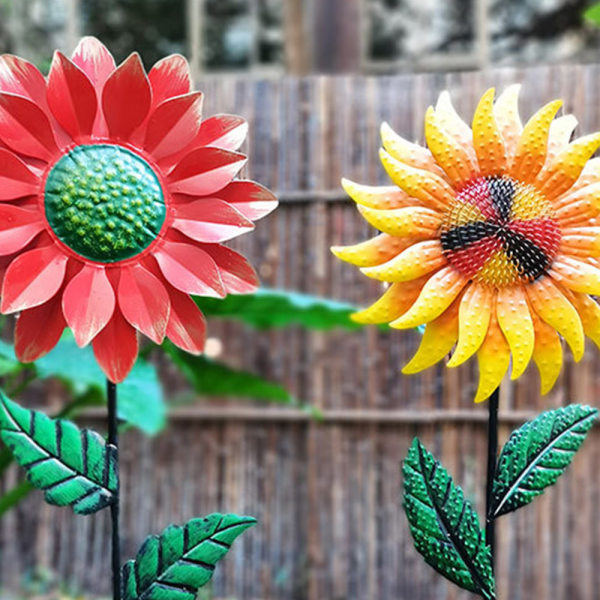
113, 438
492, 457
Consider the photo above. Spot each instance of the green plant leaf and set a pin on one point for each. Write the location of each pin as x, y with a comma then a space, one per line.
592, 14
177, 563
141, 401
537, 454
212, 378
444, 525
270, 308
73, 467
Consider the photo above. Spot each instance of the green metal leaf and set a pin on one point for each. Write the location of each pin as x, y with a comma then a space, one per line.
270, 308
444, 525
73, 467
537, 454
177, 563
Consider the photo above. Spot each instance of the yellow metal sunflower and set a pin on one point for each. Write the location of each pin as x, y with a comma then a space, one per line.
490, 237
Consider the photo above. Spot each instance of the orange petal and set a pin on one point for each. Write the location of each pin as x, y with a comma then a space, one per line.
576, 275
533, 144
417, 221
427, 187
487, 138
515, 321
561, 130
473, 322
564, 170
553, 308
506, 112
579, 206
547, 353
408, 153
448, 152
583, 242
493, 358
396, 300
380, 197
417, 260
589, 313
435, 297
373, 252
437, 341
589, 176
450, 120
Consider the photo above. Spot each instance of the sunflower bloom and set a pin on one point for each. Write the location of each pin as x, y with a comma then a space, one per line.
489, 237
115, 197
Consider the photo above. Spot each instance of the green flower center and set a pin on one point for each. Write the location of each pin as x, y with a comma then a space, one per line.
104, 202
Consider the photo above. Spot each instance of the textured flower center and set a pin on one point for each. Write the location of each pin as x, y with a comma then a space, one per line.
104, 202
500, 231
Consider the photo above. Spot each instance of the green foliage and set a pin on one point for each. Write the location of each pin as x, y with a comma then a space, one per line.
444, 525
177, 563
270, 308
73, 467
537, 454
211, 378
592, 14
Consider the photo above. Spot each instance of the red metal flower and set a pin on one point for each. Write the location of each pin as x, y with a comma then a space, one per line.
114, 200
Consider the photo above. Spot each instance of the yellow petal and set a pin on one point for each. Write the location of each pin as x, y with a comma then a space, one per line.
448, 152
396, 300
515, 321
581, 242
375, 251
561, 130
533, 144
407, 152
564, 170
589, 312
473, 322
547, 353
417, 260
436, 296
487, 138
553, 308
493, 358
427, 187
506, 112
437, 341
381, 197
417, 221
576, 275
449, 119
578, 207
589, 176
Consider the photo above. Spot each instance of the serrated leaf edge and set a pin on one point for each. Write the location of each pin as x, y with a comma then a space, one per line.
495, 511
477, 580
111, 454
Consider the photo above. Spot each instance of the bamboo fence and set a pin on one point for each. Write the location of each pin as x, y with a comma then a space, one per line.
328, 494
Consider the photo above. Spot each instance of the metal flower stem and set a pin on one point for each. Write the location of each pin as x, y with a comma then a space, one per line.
490, 523
113, 438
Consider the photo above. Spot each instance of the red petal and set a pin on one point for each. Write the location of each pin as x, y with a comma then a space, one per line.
25, 128
144, 302
71, 97
210, 220
32, 279
88, 303
187, 326
173, 125
38, 330
205, 171
94, 59
18, 76
224, 131
16, 180
190, 269
18, 226
236, 272
116, 348
252, 199
170, 77
126, 98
